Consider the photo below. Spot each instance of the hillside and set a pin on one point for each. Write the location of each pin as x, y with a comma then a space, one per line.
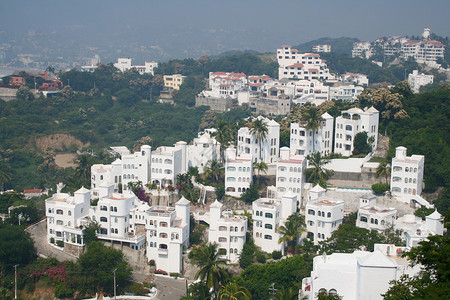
338, 45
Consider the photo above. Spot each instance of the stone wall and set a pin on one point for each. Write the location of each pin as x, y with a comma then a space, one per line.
218, 104
74, 249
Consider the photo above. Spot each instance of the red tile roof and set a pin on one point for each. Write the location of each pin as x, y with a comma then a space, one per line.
32, 191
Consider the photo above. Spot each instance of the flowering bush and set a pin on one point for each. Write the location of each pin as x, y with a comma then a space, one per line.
162, 272
137, 289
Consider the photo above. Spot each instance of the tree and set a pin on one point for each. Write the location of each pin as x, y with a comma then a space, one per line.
223, 135
98, 265
68, 93
313, 119
251, 194
5, 175
317, 174
24, 93
232, 291
324, 295
197, 291
90, 231
83, 170
213, 169
260, 129
260, 167
360, 144
16, 247
220, 191
291, 230
384, 169
211, 271
287, 294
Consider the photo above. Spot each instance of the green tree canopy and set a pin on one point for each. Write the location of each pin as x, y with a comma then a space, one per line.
16, 247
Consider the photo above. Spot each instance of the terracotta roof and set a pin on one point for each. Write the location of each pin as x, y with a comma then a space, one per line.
225, 85
257, 84
32, 191
296, 65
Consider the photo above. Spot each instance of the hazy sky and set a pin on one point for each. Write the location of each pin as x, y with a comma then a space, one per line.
262, 24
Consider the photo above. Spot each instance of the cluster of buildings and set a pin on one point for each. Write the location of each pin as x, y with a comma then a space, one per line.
423, 51
43, 81
302, 78
416, 80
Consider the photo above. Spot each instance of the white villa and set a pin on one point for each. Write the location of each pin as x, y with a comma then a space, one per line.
416, 80
323, 215
350, 123
203, 149
124, 64
289, 177
321, 48
268, 215
293, 64
356, 78
248, 143
362, 49
228, 231
416, 230
167, 163
359, 275
124, 219
238, 172
406, 175
372, 217
302, 143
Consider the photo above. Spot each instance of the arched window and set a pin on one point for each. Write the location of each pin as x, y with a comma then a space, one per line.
59, 212
268, 226
363, 219
163, 224
222, 239
376, 221
269, 215
222, 228
163, 235
311, 212
231, 250
69, 212
103, 219
59, 222
329, 215
267, 237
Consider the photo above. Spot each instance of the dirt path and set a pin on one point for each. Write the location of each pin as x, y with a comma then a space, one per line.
382, 147
66, 160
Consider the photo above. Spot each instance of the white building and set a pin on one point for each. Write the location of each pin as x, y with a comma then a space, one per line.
130, 167
268, 215
225, 84
360, 275
372, 217
124, 64
167, 235
416, 230
203, 149
301, 140
228, 231
362, 49
321, 48
167, 163
124, 219
406, 174
350, 123
238, 172
356, 78
423, 51
248, 143
293, 64
345, 92
416, 80
323, 215
65, 214
290, 170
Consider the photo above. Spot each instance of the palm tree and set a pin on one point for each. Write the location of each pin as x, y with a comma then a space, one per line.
260, 167
223, 135
260, 129
317, 174
384, 169
5, 175
312, 119
214, 169
287, 294
232, 291
291, 230
83, 170
211, 266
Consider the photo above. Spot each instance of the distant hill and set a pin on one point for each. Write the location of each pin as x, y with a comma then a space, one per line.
233, 52
339, 45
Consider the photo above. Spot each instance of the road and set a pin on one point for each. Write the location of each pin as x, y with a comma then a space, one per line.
169, 288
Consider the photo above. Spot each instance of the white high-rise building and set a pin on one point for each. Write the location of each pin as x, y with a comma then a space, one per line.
124, 64
406, 174
228, 231
352, 122
238, 172
293, 64
323, 215
167, 234
203, 149
362, 49
290, 170
302, 143
249, 144
268, 215
168, 162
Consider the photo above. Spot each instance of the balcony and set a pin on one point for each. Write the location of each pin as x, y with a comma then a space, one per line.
163, 251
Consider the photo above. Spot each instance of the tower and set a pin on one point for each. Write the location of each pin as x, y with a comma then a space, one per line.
426, 33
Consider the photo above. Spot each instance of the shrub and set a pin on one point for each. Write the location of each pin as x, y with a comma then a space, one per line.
63, 291
276, 255
52, 240
261, 257
60, 244
176, 275
152, 263
380, 188
162, 272
137, 289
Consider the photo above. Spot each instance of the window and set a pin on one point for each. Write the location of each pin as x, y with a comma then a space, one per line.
103, 219
267, 237
59, 222
268, 226
163, 224
311, 212
59, 212
69, 212
222, 228
269, 215
363, 219
163, 235
329, 215
222, 239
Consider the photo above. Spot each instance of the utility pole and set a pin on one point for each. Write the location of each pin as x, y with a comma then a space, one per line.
15, 281
114, 283
272, 288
